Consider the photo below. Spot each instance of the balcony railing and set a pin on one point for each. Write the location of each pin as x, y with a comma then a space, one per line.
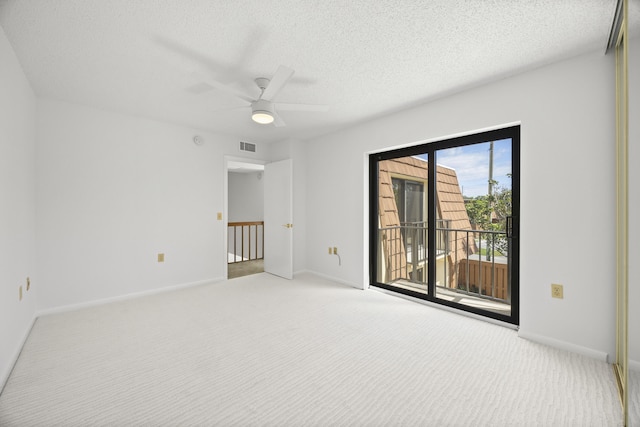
484, 273
406, 248
471, 262
245, 241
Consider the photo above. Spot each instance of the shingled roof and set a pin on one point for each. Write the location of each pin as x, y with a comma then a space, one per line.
450, 207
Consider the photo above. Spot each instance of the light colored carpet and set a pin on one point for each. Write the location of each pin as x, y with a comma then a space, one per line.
634, 398
260, 350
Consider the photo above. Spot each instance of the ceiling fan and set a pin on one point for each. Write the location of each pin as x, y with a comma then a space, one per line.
264, 109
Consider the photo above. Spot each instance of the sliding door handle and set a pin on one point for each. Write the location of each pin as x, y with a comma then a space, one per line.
511, 227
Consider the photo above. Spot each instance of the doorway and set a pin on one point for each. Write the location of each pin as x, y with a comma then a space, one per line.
444, 222
263, 214
245, 214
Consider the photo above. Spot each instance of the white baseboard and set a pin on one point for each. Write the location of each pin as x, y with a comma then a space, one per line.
297, 273
7, 372
333, 279
93, 303
563, 345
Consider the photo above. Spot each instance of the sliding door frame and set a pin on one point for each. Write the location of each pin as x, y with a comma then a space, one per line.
512, 132
618, 42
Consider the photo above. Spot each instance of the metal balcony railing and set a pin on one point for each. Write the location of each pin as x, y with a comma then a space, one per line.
483, 274
474, 262
406, 248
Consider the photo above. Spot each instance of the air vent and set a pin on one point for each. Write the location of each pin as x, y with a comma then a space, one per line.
247, 146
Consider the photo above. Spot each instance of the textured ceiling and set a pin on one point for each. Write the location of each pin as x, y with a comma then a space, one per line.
363, 58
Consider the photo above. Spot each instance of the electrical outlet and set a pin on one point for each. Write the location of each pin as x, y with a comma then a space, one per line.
160, 257
335, 250
28, 283
556, 291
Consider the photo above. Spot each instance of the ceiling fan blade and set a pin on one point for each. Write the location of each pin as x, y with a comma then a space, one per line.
222, 87
301, 107
277, 120
280, 78
224, 110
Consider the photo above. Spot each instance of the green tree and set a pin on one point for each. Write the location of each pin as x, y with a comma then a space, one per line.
479, 210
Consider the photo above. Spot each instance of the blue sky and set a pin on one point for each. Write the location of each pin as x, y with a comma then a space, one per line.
471, 164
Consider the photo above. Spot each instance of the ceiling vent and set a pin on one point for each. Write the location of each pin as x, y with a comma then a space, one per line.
247, 146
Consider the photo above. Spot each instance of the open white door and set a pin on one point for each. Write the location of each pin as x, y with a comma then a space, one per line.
278, 218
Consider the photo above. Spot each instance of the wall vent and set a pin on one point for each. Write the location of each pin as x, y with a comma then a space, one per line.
247, 146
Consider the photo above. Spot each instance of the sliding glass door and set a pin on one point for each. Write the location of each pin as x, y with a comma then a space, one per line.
402, 232
444, 219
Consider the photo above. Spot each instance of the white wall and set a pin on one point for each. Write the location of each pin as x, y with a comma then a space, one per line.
17, 215
568, 191
634, 203
113, 191
246, 197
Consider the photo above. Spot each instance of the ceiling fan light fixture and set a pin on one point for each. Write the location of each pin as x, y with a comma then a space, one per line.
262, 116
262, 112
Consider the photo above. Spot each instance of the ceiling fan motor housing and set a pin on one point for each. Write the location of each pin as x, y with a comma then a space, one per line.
262, 105
262, 111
